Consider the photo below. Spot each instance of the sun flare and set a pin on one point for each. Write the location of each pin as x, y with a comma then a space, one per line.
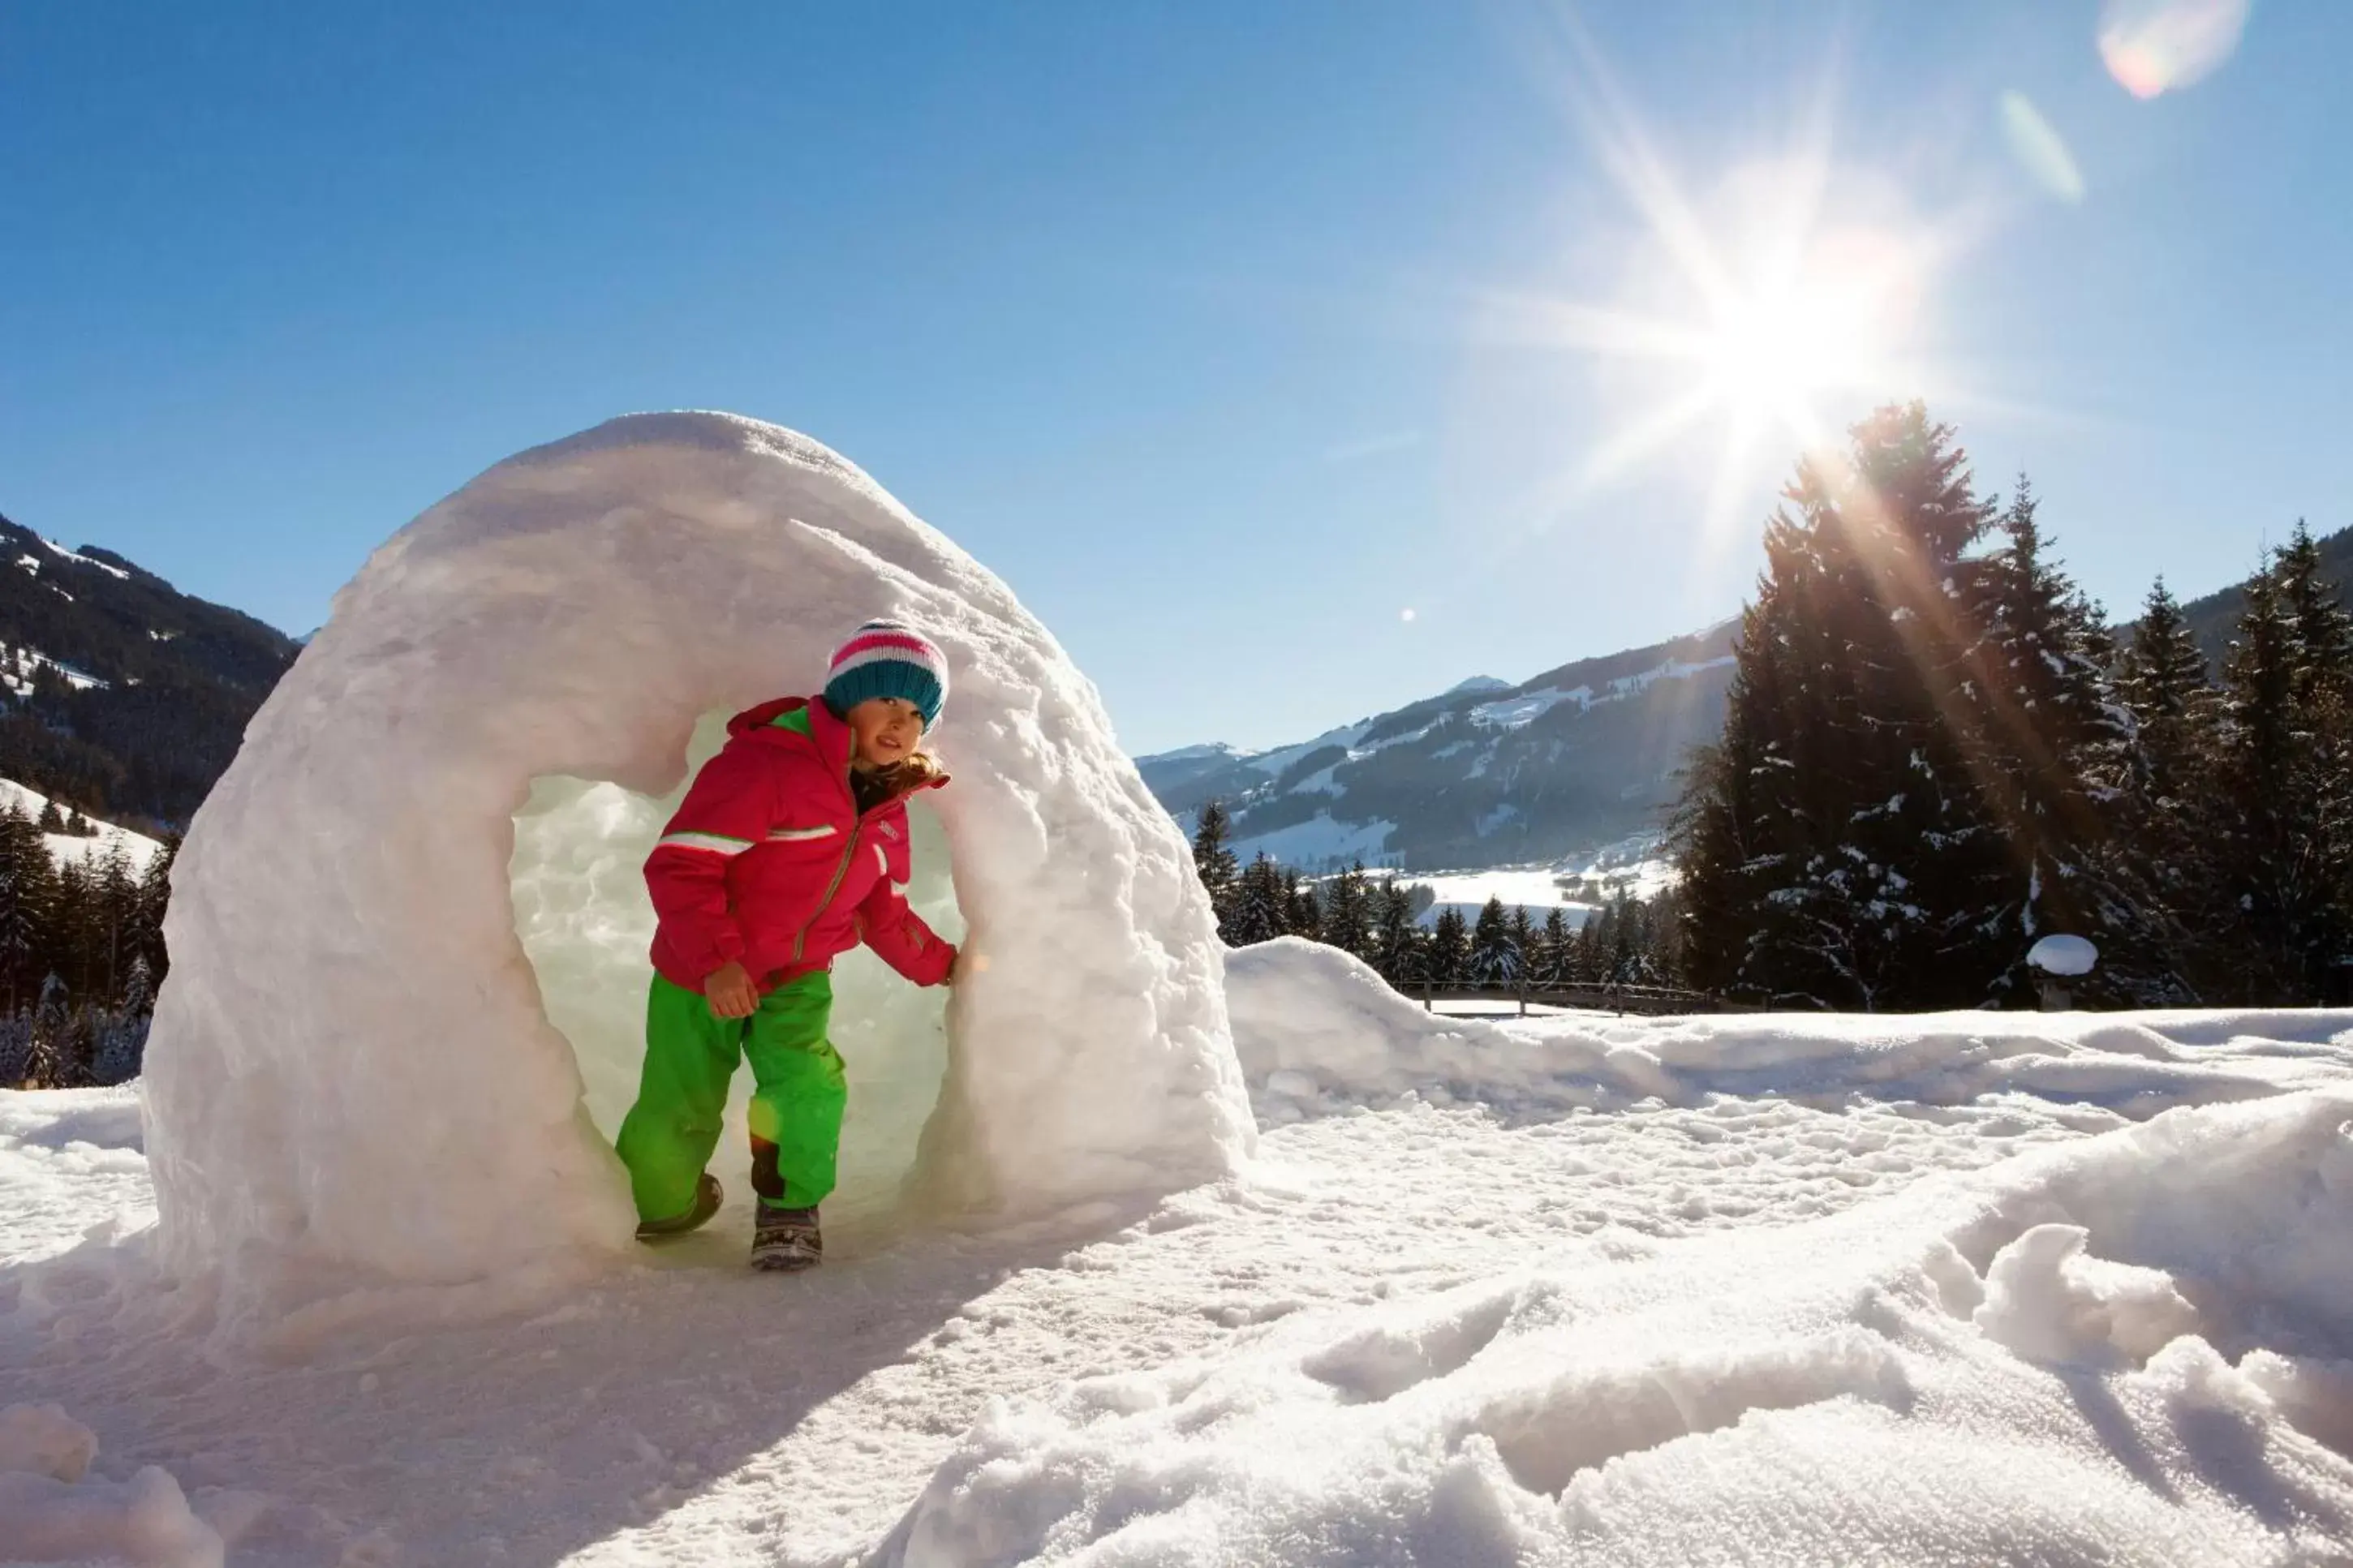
1752, 312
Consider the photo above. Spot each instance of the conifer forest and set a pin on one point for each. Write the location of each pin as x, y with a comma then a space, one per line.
1937, 752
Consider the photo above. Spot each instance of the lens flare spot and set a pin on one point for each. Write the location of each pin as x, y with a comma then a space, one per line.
1406, 615
2039, 149
2156, 46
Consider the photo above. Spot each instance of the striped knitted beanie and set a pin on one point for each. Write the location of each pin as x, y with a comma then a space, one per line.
889, 658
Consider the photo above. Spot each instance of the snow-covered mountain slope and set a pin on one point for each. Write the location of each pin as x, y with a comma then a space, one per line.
77, 849
1772, 1291
117, 690
1484, 774
1490, 775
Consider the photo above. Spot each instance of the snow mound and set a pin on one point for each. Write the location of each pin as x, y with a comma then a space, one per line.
351, 1080
2048, 1302
1849, 1389
2067, 955
1318, 1032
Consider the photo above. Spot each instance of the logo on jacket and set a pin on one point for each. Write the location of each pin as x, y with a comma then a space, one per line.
889, 831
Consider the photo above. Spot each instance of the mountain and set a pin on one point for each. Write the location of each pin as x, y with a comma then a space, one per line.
1487, 773
119, 694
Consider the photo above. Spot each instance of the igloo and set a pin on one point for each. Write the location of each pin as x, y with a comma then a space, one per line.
353, 1078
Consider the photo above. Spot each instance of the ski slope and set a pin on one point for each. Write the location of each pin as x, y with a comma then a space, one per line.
1965, 1289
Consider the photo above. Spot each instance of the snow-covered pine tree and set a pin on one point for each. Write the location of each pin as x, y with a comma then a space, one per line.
2265, 879
122, 1031
15, 1049
1347, 912
1449, 948
2168, 810
2162, 680
2323, 631
1831, 835
2278, 855
2050, 745
1396, 938
1523, 940
1492, 958
154, 898
1302, 910
1261, 903
116, 912
27, 894
1550, 966
1216, 865
49, 1062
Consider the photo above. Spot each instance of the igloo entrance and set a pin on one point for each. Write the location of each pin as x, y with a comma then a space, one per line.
584, 921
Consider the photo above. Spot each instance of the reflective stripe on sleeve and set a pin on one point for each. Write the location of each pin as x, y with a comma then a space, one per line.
882, 862
717, 843
801, 834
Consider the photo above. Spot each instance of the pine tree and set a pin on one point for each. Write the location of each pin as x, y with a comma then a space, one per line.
2162, 681
1551, 967
1347, 913
1449, 949
51, 821
2170, 815
27, 895
2050, 745
15, 1049
122, 1031
1494, 960
52, 1041
153, 901
1831, 836
1522, 933
1302, 911
2322, 628
1216, 865
2281, 761
1396, 938
1261, 903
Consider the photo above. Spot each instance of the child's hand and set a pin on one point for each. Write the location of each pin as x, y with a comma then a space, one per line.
731, 992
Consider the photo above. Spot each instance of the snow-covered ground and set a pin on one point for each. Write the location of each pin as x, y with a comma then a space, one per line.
1963, 1288
1576, 886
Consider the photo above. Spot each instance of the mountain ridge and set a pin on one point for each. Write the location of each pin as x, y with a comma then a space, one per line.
1518, 772
119, 694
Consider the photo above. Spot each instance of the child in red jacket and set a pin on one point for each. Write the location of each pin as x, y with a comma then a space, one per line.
790, 848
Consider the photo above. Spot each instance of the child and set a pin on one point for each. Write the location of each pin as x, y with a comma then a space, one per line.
789, 848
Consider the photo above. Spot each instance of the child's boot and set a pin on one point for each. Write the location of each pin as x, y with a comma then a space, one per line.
707, 1197
785, 1240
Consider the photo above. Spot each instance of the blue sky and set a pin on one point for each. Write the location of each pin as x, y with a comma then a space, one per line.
1219, 330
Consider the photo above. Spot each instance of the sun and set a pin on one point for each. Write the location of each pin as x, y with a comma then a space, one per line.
1778, 343
1782, 298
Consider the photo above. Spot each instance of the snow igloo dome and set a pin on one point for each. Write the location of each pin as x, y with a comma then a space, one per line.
408, 929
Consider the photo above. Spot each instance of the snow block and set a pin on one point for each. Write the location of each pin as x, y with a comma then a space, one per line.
351, 1078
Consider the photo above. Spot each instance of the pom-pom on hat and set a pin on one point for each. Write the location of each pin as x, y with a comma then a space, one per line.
889, 658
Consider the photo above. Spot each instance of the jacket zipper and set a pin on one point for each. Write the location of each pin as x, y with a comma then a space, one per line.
800, 937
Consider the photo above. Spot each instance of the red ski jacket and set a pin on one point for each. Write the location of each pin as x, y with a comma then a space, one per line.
769, 863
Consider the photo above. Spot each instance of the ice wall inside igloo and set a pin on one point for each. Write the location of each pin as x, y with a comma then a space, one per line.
352, 1078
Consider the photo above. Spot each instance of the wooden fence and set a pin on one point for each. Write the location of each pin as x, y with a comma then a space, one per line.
1645, 999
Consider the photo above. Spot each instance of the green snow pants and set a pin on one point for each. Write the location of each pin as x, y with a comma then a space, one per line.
797, 1096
